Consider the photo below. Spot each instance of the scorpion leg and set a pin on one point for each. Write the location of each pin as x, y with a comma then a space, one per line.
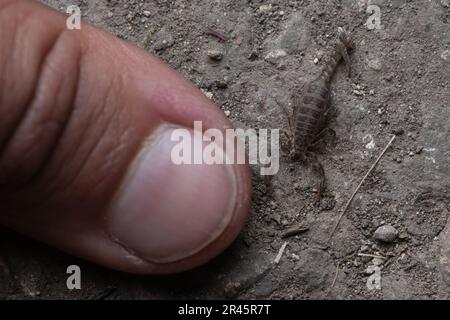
290, 120
287, 149
318, 169
325, 133
332, 112
319, 139
286, 112
296, 102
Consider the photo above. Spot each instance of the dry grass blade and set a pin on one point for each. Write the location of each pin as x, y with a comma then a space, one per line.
359, 185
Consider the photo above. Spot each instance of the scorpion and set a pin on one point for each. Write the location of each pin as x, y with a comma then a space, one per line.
312, 110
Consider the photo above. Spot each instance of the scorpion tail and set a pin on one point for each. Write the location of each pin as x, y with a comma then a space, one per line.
344, 41
346, 38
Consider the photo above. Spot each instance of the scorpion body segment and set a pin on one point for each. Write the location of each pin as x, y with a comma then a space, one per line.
311, 109
309, 115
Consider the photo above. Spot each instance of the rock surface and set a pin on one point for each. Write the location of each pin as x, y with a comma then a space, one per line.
410, 91
386, 234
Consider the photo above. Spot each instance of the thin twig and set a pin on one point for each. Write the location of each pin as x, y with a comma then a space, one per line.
370, 255
216, 33
335, 277
280, 253
294, 231
334, 281
359, 185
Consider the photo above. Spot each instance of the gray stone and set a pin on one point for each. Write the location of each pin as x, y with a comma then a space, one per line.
215, 54
386, 233
274, 55
163, 40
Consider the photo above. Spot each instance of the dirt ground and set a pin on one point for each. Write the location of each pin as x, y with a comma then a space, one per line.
399, 85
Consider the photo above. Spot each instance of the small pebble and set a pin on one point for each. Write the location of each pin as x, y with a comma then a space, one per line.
445, 55
265, 8
375, 64
207, 93
316, 61
403, 235
386, 233
389, 77
272, 56
216, 55
147, 13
